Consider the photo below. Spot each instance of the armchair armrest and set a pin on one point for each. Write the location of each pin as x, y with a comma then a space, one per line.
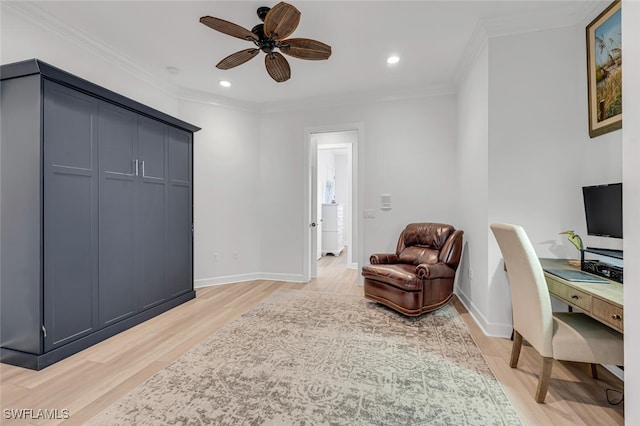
434, 270
383, 258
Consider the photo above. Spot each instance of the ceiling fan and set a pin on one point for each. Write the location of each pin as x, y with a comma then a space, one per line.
280, 22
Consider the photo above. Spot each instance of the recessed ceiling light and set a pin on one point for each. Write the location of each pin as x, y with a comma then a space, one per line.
393, 60
225, 83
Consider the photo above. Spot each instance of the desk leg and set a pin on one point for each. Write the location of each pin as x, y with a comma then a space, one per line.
593, 370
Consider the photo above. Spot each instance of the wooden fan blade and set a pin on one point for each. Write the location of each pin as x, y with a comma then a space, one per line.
228, 28
305, 48
277, 67
237, 58
281, 21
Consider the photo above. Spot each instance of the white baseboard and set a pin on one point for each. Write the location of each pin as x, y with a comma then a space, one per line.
292, 278
228, 279
488, 328
231, 279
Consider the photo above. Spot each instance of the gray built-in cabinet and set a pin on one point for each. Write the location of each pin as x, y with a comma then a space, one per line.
96, 225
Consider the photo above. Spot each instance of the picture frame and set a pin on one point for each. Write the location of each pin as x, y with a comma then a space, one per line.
604, 71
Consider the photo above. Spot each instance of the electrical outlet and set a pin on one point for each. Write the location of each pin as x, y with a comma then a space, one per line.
369, 213
470, 273
235, 255
215, 258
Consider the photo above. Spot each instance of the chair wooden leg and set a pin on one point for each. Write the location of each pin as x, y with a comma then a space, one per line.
594, 371
543, 381
515, 349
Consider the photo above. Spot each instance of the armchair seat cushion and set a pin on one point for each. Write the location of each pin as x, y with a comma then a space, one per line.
399, 275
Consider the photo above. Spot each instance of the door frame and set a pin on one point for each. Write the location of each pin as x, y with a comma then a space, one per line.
357, 195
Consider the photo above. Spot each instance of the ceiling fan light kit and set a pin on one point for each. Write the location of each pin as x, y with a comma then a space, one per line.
280, 22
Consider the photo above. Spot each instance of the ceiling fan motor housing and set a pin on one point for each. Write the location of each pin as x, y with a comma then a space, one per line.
262, 12
266, 44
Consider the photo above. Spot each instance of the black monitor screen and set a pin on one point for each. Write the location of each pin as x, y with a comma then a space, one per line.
603, 209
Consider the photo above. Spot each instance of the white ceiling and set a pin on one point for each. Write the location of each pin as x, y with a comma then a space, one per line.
431, 38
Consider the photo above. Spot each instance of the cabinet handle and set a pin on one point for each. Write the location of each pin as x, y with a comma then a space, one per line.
575, 296
616, 317
136, 161
143, 175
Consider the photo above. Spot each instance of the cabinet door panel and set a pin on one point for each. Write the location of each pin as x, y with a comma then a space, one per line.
69, 287
117, 144
70, 226
152, 249
117, 140
152, 148
180, 226
152, 212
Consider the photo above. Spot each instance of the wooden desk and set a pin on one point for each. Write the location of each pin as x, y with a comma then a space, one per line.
601, 301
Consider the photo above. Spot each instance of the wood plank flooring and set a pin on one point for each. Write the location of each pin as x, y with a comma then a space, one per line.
90, 381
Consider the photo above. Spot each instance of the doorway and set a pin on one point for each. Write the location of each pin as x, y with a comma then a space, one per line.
331, 180
334, 201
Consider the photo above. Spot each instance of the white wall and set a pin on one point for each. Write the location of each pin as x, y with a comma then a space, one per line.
409, 149
226, 199
540, 153
538, 156
631, 179
473, 185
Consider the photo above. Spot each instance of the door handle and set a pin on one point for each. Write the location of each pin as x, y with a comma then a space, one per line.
313, 224
136, 162
143, 175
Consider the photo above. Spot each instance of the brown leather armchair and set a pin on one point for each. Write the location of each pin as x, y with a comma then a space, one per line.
419, 276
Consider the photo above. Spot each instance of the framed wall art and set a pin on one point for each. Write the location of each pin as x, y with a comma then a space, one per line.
604, 71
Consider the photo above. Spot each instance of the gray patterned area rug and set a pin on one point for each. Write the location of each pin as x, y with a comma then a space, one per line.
307, 358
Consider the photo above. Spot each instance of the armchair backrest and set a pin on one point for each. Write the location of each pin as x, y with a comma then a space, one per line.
531, 303
430, 243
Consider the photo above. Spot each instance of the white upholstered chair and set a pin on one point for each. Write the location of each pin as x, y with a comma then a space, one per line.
566, 336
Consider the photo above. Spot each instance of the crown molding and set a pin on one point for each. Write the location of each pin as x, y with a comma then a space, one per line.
519, 24
535, 21
478, 40
36, 15
202, 97
358, 98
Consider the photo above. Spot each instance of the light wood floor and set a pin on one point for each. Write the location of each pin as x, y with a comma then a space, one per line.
88, 382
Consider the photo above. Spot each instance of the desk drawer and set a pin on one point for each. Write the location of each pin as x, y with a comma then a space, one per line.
570, 295
608, 313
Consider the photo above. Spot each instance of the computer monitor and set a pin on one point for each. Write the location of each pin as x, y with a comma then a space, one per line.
603, 209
